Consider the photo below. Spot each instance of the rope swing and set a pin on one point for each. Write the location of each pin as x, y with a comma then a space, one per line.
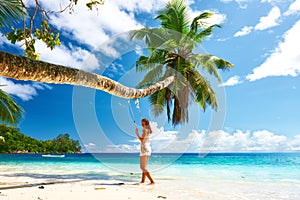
137, 105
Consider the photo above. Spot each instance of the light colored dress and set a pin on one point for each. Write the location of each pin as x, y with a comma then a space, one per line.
145, 146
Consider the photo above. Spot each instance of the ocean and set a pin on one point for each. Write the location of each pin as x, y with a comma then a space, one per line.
270, 175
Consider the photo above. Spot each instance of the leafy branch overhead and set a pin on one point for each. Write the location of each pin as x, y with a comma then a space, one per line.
25, 24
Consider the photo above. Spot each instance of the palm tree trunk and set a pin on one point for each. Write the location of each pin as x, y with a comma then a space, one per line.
177, 112
22, 68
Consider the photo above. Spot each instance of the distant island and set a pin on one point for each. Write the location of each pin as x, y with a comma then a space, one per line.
12, 141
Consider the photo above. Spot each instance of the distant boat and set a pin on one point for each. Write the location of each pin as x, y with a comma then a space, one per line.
52, 156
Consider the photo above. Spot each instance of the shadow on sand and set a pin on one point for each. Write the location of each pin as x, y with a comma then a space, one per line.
68, 178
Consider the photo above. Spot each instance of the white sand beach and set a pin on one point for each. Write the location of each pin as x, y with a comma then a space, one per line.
24, 188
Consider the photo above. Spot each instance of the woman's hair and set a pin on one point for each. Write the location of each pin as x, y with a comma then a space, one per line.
146, 121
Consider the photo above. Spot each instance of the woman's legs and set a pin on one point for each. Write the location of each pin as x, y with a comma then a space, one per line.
149, 177
143, 165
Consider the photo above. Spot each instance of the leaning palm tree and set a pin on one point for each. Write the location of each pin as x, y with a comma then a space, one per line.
171, 48
23, 68
26, 69
10, 111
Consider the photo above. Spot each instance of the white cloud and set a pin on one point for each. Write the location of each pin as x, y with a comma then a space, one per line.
68, 56
90, 63
273, 2
94, 27
24, 91
71, 56
266, 1
139, 50
238, 1
115, 69
235, 80
270, 20
284, 61
242, 3
245, 31
294, 8
143, 6
122, 148
222, 39
226, 1
240, 141
109, 49
266, 22
215, 141
294, 144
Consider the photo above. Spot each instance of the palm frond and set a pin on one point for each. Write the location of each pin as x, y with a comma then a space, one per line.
145, 63
169, 45
210, 63
158, 101
153, 37
204, 94
142, 64
199, 37
174, 16
152, 76
10, 111
10, 12
194, 27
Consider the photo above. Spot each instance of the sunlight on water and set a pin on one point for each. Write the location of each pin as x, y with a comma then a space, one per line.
250, 167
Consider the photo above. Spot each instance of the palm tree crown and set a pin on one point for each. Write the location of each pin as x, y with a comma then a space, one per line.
171, 52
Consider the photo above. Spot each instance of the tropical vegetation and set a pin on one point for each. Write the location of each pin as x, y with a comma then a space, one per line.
26, 22
15, 142
10, 111
171, 59
171, 52
24, 68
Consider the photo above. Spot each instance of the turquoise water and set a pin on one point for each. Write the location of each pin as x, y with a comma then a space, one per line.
267, 167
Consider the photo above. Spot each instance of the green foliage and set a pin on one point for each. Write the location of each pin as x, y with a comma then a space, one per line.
46, 35
17, 142
30, 23
171, 50
94, 3
10, 111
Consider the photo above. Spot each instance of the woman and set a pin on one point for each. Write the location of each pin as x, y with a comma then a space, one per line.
145, 149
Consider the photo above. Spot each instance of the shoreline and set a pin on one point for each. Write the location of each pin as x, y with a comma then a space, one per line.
248, 177
157, 153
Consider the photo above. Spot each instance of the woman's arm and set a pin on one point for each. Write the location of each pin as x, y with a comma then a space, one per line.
139, 137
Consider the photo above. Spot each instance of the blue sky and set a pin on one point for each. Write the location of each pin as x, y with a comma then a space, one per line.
262, 91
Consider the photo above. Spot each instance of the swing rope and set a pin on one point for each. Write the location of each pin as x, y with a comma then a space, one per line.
137, 105
131, 112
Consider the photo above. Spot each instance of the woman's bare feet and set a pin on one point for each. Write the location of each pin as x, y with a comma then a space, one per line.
140, 183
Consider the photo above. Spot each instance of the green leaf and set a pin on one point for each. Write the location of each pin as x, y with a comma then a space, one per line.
10, 12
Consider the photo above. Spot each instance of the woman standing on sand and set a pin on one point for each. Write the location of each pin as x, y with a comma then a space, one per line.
145, 149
